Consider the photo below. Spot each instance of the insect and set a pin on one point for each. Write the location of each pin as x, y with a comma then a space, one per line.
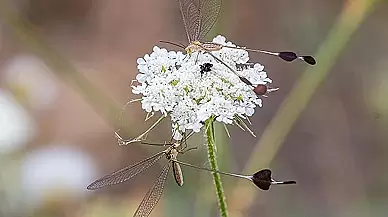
198, 20
153, 195
206, 67
261, 179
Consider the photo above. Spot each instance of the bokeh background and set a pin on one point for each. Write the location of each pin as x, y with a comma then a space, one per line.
65, 70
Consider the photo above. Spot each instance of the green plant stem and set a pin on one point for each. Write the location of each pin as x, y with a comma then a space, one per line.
211, 147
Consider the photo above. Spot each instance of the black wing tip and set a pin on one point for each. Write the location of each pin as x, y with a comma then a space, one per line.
309, 59
263, 185
289, 182
290, 56
264, 173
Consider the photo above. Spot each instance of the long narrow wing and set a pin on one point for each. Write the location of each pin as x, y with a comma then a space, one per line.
153, 195
191, 19
125, 173
209, 12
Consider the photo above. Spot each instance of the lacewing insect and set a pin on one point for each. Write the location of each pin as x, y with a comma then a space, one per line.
154, 194
199, 18
261, 179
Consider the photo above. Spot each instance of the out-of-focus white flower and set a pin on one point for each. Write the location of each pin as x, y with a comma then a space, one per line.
16, 126
31, 81
176, 85
55, 170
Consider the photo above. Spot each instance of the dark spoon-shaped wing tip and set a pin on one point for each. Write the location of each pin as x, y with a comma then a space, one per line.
263, 185
264, 174
291, 56
288, 56
309, 59
260, 90
262, 179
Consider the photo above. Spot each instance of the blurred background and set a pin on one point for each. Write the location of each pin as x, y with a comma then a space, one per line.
65, 71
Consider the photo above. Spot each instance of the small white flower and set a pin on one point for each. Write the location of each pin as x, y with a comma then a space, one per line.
173, 83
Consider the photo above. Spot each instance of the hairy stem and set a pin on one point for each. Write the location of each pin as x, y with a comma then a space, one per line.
211, 146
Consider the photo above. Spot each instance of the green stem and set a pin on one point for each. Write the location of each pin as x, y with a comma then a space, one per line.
211, 146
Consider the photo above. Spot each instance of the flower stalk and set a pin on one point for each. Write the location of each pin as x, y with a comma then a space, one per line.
211, 147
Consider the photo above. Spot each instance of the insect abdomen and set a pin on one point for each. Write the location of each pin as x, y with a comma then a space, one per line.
176, 168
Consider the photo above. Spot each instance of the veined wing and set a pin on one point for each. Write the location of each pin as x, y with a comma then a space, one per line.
153, 195
191, 19
125, 173
209, 12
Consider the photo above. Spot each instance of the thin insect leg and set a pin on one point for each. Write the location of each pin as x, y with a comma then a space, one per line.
126, 173
172, 43
156, 144
186, 56
190, 134
153, 195
173, 134
120, 115
141, 137
215, 171
189, 149
184, 139
196, 58
149, 116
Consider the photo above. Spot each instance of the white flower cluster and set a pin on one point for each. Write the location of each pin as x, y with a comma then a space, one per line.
176, 85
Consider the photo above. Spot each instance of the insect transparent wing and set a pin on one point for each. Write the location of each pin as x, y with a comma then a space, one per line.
209, 12
153, 195
191, 19
125, 173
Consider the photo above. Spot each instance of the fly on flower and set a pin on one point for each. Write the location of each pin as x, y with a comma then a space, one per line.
206, 67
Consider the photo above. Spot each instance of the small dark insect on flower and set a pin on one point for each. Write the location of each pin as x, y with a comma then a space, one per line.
206, 67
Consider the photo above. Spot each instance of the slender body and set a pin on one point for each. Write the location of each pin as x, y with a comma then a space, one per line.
153, 195
199, 19
261, 179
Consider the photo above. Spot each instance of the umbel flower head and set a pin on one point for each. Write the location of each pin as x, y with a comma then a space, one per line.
191, 88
